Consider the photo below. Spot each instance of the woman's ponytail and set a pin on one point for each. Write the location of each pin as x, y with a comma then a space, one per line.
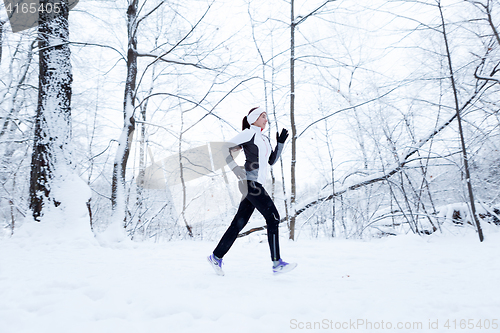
245, 123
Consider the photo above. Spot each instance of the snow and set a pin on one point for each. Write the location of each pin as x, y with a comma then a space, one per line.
57, 285
67, 222
447, 212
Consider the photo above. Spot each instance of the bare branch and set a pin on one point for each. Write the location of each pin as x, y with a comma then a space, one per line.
160, 57
176, 62
187, 35
479, 77
348, 108
220, 101
122, 57
149, 13
303, 18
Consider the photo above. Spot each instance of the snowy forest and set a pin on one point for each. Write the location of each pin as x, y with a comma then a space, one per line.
392, 108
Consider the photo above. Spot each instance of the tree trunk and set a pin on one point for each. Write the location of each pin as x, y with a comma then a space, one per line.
1, 39
459, 120
181, 173
118, 193
333, 176
142, 162
53, 117
292, 122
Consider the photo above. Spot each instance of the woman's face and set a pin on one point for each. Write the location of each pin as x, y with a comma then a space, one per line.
261, 121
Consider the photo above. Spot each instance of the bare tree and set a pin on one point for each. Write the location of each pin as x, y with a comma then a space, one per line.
118, 196
294, 22
133, 80
13, 138
270, 90
460, 130
182, 159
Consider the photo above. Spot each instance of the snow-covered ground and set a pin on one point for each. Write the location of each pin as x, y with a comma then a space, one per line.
410, 282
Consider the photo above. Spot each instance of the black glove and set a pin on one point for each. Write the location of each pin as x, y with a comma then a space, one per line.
282, 137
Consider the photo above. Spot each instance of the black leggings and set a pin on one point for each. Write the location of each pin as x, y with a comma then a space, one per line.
256, 197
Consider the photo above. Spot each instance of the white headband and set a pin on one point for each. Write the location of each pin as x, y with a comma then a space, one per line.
254, 115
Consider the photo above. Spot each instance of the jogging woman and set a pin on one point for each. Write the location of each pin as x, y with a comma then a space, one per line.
258, 154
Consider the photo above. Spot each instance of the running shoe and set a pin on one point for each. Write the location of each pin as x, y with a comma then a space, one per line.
283, 267
216, 264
